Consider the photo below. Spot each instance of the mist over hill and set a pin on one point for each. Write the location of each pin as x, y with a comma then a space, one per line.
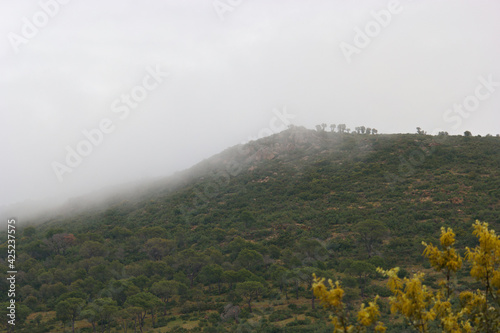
248, 227
294, 158
321, 167
191, 166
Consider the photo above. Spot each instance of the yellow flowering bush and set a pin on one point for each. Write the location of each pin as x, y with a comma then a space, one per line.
471, 311
331, 298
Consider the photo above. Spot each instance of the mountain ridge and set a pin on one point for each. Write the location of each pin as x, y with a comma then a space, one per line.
298, 152
294, 145
261, 217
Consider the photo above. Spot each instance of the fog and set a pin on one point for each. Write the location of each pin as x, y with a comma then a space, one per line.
141, 89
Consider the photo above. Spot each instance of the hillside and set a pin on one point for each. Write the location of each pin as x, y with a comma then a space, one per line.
175, 253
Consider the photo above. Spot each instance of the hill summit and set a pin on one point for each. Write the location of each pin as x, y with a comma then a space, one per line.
231, 244
322, 177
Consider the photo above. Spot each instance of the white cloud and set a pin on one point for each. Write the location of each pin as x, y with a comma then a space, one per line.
226, 77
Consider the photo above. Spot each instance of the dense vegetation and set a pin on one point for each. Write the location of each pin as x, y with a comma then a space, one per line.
448, 309
234, 246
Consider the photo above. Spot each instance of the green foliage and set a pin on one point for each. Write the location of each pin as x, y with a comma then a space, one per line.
249, 290
335, 204
371, 233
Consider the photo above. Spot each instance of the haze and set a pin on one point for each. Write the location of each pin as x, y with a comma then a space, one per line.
232, 66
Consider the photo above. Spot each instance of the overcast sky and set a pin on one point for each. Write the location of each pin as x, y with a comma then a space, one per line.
233, 66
